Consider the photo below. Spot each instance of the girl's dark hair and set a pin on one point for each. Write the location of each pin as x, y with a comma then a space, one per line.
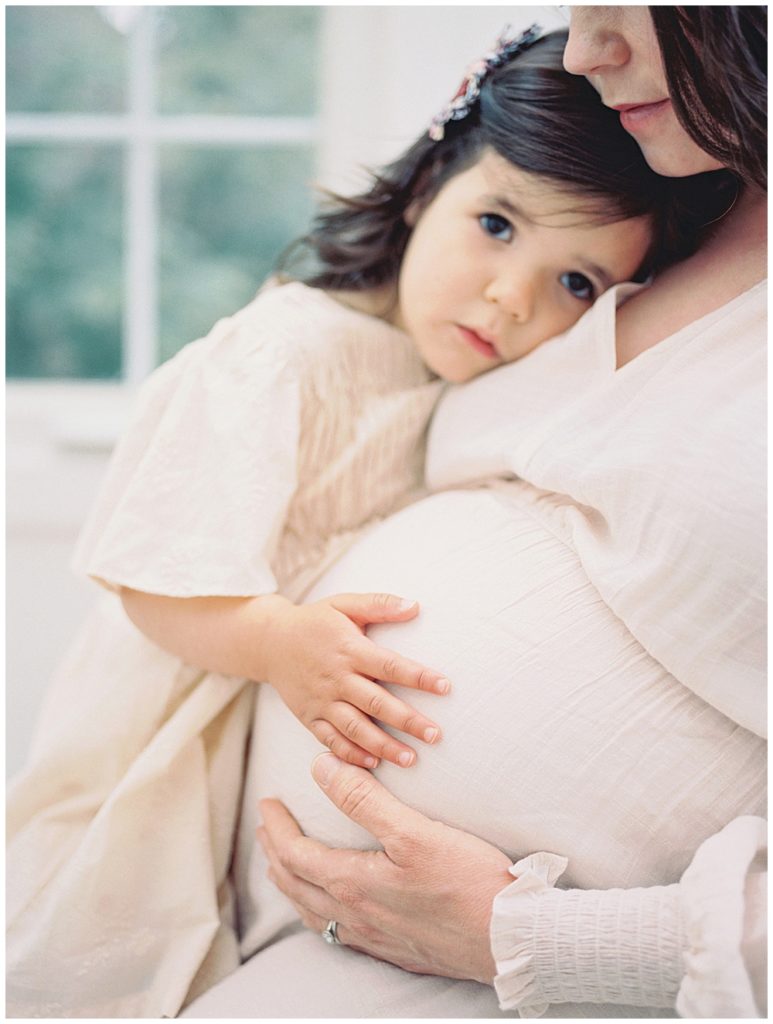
716, 62
546, 122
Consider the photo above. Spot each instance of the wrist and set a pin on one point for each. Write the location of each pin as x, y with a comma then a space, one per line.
485, 964
269, 624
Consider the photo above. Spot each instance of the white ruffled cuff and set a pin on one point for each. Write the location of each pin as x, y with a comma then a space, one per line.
614, 946
724, 891
512, 929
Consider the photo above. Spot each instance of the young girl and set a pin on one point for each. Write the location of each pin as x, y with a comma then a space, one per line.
255, 455
258, 451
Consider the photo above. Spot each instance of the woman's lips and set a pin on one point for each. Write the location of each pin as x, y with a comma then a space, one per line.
480, 344
634, 116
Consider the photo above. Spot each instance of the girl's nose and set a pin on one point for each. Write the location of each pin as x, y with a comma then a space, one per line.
514, 294
594, 42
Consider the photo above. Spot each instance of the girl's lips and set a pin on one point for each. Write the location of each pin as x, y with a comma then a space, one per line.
632, 118
479, 344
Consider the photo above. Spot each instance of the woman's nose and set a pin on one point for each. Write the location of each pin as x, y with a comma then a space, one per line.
514, 294
594, 42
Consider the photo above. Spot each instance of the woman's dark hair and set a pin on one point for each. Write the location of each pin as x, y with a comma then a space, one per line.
716, 62
546, 122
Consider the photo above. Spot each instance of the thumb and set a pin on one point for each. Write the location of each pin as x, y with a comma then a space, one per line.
361, 797
365, 608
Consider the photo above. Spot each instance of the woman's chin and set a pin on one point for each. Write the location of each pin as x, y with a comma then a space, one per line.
677, 158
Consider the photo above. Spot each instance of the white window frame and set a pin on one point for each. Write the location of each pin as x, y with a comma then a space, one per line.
142, 130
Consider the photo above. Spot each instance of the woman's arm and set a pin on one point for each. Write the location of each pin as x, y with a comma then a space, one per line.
697, 945
425, 904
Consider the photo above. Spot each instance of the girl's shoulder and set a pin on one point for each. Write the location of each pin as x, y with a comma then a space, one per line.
278, 330
292, 335
294, 324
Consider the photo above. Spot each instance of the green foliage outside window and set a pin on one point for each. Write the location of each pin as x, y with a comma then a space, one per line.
225, 211
258, 60
226, 216
64, 261
63, 60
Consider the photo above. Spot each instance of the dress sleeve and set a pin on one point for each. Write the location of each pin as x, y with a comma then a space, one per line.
197, 490
697, 946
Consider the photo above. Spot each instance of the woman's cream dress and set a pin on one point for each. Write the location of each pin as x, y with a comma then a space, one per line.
598, 604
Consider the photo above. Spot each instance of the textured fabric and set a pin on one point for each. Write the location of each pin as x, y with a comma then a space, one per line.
258, 451
691, 945
586, 946
560, 734
655, 474
120, 832
563, 733
253, 457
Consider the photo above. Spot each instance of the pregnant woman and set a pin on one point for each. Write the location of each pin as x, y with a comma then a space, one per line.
590, 572
600, 612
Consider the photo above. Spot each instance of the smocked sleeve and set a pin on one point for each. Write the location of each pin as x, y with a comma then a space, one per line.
697, 946
197, 489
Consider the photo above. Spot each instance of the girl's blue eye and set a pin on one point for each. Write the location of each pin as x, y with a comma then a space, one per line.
496, 226
578, 285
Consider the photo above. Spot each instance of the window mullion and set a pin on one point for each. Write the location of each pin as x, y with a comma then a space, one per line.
141, 207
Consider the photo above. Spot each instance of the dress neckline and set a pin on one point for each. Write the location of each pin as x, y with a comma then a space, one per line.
605, 326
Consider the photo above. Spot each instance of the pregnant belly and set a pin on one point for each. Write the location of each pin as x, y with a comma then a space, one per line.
560, 732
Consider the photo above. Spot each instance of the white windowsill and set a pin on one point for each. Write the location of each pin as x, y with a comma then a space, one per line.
72, 415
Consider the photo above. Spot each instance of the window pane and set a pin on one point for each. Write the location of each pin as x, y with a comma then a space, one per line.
63, 261
63, 59
226, 215
238, 60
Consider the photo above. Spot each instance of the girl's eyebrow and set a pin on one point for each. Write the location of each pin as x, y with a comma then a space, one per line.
509, 207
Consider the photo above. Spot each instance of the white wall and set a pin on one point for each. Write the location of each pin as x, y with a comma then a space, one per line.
388, 70
57, 443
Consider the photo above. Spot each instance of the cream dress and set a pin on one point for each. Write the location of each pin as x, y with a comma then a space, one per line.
253, 458
598, 604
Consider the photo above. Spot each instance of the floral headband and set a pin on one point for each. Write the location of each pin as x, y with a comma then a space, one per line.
469, 91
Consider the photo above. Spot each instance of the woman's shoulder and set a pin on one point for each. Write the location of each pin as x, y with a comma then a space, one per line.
673, 307
725, 276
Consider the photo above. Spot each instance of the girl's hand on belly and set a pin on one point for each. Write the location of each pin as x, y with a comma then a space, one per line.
423, 903
329, 674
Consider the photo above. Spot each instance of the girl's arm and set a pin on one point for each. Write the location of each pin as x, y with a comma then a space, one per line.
316, 656
229, 635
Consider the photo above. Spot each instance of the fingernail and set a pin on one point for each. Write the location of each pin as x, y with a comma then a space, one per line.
442, 686
404, 604
324, 767
430, 735
405, 759
370, 762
